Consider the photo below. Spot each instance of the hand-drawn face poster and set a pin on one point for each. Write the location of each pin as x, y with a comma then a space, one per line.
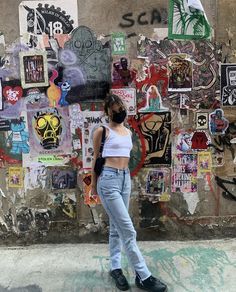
184, 173
180, 73
92, 120
154, 130
228, 84
49, 131
49, 17
128, 95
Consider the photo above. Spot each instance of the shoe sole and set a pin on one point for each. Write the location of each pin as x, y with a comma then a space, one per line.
120, 287
142, 288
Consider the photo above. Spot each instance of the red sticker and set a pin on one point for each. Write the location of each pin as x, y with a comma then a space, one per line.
12, 94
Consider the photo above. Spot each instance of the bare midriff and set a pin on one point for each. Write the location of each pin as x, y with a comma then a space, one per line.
117, 162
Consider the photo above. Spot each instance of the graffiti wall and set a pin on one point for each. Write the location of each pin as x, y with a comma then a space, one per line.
179, 87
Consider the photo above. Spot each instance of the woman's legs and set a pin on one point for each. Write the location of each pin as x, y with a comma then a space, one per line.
112, 186
115, 244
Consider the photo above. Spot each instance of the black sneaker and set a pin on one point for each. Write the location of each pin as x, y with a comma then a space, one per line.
150, 284
121, 282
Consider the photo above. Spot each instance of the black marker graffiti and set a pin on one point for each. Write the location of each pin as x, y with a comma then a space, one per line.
226, 193
144, 18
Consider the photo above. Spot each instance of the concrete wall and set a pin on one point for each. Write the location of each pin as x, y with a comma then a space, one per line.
25, 215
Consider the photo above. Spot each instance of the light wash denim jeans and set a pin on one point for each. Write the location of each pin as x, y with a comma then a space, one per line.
114, 187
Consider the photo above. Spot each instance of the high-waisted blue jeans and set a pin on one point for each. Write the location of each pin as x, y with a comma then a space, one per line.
114, 187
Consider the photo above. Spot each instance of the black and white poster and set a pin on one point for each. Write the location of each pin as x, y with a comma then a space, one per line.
228, 84
48, 17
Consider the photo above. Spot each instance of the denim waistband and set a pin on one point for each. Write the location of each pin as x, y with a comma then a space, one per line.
116, 170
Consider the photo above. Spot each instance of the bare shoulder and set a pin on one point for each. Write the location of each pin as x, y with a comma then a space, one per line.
129, 131
98, 132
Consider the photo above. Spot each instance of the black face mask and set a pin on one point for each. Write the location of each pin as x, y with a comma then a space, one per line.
119, 117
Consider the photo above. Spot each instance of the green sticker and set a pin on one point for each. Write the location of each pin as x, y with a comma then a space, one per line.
118, 43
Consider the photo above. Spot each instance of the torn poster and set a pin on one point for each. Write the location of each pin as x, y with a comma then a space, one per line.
187, 20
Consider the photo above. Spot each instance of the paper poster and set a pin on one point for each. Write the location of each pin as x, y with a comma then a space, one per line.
34, 71
204, 162
89, 199
187, 20
36, 177
228, 84
180, 73
63, 206
63, 178
155, 129
184, 173
158, 182
118, 42
76, 117
49, 131
92, 120
218, 158
128, 95
122, 74
48, 17
15, 177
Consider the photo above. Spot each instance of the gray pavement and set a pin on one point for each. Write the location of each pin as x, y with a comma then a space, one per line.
185, 266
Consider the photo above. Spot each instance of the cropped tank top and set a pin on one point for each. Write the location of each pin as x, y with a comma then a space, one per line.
117, 145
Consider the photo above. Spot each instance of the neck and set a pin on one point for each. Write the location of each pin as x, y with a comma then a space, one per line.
115, 125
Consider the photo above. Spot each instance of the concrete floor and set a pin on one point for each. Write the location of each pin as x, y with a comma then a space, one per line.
185, 266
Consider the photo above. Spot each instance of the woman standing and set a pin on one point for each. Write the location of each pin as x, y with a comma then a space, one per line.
114, 187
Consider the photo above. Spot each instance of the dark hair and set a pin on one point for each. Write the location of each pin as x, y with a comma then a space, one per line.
112, 99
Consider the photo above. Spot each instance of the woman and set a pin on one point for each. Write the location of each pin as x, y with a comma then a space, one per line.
113, 187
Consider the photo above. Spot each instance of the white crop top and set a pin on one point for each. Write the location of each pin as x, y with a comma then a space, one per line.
117, 145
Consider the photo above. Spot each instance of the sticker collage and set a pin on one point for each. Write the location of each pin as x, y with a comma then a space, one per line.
55, 77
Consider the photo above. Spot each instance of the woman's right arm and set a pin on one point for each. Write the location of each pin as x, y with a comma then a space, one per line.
97, 139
